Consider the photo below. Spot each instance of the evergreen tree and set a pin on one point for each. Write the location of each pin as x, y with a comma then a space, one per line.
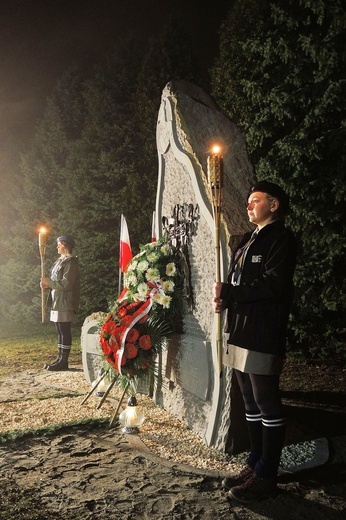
101, 181
168, 57
93, 158
281, 77
37, 202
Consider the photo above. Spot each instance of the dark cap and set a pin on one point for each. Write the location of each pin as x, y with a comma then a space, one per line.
67, 239
274, 190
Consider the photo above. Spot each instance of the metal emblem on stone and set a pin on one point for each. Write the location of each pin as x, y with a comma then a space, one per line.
180, 228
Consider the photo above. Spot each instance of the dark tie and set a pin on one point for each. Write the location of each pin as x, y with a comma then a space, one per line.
240, 257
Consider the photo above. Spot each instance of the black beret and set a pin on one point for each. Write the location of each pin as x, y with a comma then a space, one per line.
65, 238
275, 191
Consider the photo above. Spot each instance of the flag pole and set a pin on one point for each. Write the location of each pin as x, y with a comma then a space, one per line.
153, 228
215, 178
120, 272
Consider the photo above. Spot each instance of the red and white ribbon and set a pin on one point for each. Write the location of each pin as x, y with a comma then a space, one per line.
140, 313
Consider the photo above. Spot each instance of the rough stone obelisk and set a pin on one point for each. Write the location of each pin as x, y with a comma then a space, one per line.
189, 122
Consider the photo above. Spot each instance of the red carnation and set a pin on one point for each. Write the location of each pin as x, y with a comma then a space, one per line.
132, 335
114, 344
122, 312
133, 305
108, 327
125, 322
103, 341
145, 342
105, 347
130, 351
118, 334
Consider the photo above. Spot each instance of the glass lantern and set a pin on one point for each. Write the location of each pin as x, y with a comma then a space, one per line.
131, 418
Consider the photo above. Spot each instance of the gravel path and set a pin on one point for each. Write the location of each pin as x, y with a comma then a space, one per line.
82, 473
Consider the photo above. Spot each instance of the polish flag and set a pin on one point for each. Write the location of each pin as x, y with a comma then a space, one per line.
125, 246
153, 228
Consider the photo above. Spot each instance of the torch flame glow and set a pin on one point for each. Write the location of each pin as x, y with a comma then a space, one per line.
42, 237
216, 149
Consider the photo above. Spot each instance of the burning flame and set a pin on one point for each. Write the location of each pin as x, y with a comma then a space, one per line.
216, 149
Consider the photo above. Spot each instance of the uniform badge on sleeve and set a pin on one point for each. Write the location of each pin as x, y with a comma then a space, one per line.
256, 259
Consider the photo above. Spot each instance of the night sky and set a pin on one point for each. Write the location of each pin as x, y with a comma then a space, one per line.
39, 39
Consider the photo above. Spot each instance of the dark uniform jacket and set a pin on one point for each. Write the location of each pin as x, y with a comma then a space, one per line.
259, 306
64, 284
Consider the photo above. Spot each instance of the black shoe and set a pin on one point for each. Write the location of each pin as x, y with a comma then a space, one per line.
255, 488
55, 361
52, 364
62, 364
238, 479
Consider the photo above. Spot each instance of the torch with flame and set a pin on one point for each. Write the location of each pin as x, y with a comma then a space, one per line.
42, 248
215, 179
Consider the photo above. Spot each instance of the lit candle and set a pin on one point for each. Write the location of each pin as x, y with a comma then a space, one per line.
101, 387
131, 418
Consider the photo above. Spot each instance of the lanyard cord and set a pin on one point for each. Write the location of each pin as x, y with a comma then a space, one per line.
240, 258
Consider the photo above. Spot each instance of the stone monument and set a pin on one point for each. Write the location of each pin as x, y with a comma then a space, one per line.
92, 356
189, 123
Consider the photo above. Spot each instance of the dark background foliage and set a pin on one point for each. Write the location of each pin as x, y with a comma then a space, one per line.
281, 77
279, 74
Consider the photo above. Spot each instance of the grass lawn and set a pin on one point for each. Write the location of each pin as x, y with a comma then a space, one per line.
24, 347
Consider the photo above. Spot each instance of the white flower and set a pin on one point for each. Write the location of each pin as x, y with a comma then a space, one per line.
152, 257
132, 265
130, 279
142, 289
152, 275
142, 265
165, 249
163, 300
168, 286
170, 269
139, 297
157, 297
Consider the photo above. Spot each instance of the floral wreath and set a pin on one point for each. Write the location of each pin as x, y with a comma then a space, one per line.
147, 312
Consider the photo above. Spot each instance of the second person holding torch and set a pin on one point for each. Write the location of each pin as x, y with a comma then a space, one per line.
64, 286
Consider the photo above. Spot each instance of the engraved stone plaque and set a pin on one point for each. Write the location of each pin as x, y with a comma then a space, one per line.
92, 356
195, 361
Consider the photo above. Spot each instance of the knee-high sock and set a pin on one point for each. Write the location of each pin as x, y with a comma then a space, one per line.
254, 426
273, 432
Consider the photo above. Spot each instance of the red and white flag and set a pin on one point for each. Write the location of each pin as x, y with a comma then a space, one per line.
125, 247
153, 228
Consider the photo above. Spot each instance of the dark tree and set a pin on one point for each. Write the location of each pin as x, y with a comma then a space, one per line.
93, 158
281, 77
